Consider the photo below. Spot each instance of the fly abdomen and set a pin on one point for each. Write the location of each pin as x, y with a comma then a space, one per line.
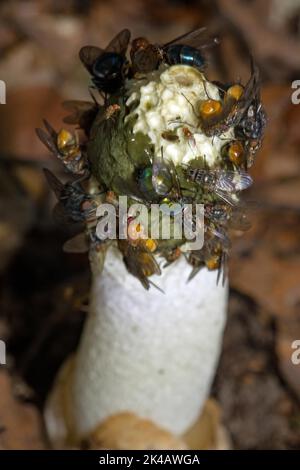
186, 55
202, 177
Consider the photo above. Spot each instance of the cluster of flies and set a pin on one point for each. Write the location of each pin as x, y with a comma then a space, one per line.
239, 107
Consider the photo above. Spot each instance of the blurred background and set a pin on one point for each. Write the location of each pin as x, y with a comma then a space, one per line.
44, 292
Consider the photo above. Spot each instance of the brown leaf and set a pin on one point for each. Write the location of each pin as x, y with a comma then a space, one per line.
21, 423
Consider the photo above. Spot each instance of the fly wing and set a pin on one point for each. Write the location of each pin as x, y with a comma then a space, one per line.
47, 140
196, 259
241, 216
193, 273
54, 183
197, 38
128, 188
139, 262
88, 55
225, 181
120, 42
251, 93
231, 181
156, 286
61, 217
77, 244
174, 174
162, 178
239, 221
226, 197
220, 234
83, 113
146, 60
252, 87
50, 129
223, 268
243, 181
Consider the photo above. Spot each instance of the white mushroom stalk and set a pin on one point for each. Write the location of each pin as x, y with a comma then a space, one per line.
151, 354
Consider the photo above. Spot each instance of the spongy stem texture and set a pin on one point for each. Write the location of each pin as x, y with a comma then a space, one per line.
146, 352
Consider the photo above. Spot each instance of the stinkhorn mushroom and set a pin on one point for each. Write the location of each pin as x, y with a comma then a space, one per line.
165, 136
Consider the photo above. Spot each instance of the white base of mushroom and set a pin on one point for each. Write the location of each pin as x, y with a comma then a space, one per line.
148, 353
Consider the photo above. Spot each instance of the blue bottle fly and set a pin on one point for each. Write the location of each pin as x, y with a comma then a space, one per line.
108, 71
186, 55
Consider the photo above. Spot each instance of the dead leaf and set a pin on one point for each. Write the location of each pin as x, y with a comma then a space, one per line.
21, 423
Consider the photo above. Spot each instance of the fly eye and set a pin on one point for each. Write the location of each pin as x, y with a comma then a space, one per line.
139, 43
150, 244
210, 108
213, 262
235, 92
64, 138
235, 152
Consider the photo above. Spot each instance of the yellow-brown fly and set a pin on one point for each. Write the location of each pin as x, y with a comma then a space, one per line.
217, 116
66, 147
235, 152
139, 261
